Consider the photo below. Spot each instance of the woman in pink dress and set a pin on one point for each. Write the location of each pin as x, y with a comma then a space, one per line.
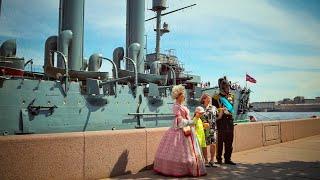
177, 154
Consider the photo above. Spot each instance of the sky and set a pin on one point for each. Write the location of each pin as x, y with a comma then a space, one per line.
276, 42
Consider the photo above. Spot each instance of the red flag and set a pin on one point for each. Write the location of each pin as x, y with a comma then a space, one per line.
250, 79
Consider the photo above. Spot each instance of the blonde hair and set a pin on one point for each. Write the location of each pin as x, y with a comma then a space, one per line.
205, 95
177, 91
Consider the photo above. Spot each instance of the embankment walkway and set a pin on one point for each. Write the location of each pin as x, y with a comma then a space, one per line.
298, 159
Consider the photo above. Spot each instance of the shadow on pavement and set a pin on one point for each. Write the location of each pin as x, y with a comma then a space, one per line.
120, 167
281, 170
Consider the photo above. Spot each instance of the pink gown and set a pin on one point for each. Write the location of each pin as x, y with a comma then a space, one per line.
177, 154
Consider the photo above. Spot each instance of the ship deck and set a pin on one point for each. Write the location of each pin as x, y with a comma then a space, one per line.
298, 159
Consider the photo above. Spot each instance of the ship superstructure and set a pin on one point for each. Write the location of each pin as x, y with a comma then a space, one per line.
73, 95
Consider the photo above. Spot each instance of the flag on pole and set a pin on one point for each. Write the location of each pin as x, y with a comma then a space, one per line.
250, 79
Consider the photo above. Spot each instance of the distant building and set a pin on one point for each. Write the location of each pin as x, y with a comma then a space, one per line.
309, 101
298, 100
263, 106
298, 104
286, 101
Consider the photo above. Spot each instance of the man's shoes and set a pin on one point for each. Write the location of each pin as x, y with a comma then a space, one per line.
219, 162
230, 162
212, 164
207, 164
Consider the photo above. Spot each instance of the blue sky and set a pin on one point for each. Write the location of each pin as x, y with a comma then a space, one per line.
276, 42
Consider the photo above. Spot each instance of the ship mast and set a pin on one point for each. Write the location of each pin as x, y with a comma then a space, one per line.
158, 31
158, 6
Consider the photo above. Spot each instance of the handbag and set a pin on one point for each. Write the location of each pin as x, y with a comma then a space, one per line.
186, 130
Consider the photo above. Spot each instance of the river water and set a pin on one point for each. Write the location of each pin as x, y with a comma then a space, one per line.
272, 116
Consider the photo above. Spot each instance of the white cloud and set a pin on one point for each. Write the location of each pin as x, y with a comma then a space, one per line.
278, 76
278, 85
232, 32
272, 59
29, 19
209, 15
224, 41
106, 18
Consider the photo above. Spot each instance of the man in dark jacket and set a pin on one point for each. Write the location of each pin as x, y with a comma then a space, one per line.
223, 102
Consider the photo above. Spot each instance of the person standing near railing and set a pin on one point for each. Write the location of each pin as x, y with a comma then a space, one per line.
224, 125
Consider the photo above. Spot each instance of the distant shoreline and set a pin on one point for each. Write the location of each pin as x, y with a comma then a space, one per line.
266, 116
288, 108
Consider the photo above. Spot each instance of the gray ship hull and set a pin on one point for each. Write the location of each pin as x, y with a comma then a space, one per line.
40, 106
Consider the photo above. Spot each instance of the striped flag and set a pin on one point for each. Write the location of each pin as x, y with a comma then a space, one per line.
250, 79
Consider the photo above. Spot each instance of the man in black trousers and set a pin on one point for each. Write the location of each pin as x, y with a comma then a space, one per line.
223, 102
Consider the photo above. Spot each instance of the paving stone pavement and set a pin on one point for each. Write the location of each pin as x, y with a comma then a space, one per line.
299, 159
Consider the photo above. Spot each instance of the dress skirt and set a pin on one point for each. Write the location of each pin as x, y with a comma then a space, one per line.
179, 155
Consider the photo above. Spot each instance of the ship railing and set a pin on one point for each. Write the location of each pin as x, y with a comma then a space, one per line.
140, 117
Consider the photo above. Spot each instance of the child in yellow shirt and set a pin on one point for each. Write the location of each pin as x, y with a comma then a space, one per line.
199, 127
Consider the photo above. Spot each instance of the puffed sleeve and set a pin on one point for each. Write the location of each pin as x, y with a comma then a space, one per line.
179, 119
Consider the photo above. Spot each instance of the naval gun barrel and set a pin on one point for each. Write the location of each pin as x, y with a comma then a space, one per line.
113, 81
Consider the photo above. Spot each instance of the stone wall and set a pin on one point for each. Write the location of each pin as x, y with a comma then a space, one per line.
100, 154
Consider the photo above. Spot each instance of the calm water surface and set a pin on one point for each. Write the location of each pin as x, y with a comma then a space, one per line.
272, 116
